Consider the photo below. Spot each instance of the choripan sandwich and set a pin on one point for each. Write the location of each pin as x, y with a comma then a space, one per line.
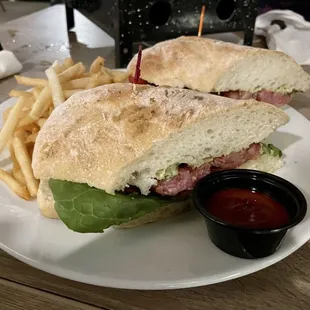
225, 69
125, 155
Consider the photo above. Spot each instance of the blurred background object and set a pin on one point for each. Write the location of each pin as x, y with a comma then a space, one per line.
17, 9
2, 6
131, 22
148, 22
301, 7
286, 31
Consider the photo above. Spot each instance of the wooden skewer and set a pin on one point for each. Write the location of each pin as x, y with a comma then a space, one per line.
202, 15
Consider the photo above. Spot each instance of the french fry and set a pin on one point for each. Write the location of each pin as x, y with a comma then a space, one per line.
30, 127
16, 165
30, 147
32, 138
41, 122
76, 84
6, 114
13, 118
26, 121
14, 185
99, 79
28, 104
24, 113
96, 66
24, 80
94, 82
107, 72
24, 160
71, 73
82, 70
58, 67
19, 93
41, 104
36, 92
47, 113
19, 176
68, 62
68, 93
50, 110
57, 94
118, 76
35, 129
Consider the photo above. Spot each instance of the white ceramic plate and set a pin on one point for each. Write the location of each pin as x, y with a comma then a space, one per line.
176, 253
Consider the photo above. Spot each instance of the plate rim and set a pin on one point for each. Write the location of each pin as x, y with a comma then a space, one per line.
145, 285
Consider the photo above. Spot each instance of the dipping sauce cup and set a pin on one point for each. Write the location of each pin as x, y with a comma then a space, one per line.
248, 212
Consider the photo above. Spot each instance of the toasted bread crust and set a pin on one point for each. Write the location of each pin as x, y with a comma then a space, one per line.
211, 66
95, 134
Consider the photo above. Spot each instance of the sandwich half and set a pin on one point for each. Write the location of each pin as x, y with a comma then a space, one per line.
125, 155
225, 69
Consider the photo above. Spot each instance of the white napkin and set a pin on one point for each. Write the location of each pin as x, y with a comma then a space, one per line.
9, 64
294, 40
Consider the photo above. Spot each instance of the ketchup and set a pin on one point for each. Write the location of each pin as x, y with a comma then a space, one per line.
140, 81
248, 209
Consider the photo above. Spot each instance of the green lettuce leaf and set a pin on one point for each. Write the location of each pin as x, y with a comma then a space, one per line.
271, 150
87, 209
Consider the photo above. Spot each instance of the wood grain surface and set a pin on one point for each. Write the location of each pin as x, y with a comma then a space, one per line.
284, 286
11, 293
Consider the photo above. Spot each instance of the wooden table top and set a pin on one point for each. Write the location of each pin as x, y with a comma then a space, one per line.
284, 286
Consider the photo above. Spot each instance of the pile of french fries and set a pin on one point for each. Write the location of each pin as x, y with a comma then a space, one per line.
23, 121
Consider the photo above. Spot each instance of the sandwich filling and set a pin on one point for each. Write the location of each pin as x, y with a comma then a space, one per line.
276, 98
187, 177
182, 178
87, 209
